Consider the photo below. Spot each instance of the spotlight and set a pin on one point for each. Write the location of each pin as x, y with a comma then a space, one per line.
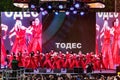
60, 6
32, 6
77, 5
82, 13
71, 8
41, 9
56, 13
67, 12
75, 12
49, 7
43, 13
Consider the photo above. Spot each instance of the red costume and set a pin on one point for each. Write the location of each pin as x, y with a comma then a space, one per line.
56, 62
106, 50
47, 63
36, 42
31, 62
116, 45
62, 59
68, 60
74, 62
20, 42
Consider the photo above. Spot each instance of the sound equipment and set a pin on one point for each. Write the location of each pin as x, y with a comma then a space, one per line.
117, 69
78, 70
29, 70
56, 70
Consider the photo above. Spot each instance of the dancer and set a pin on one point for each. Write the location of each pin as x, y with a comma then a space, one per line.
36, 42
106, 48
116, 42
19, 31
74, 61
30, 30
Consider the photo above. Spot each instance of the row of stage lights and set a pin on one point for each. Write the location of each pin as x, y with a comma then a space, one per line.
56, 7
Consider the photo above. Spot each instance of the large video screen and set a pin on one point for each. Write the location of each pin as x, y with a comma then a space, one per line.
21, 31
108, 37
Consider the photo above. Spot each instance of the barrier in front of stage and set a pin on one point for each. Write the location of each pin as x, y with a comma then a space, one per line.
9, 74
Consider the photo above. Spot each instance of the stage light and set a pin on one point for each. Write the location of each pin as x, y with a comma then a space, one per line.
45, 12
71, 8
77, 5
41, 9
56, 13
49, 7
96, 5
82, 13
67, 12
32, 6
21, 3
75, 12
60, 6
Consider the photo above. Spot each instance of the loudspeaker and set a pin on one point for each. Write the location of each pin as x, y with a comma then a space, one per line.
81, 70
117, 69
42, 70
56, 70
78, 70
89, 68
29, 70
69, 70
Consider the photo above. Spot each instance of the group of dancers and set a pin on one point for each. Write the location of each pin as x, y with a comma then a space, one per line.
19, 35
58, 60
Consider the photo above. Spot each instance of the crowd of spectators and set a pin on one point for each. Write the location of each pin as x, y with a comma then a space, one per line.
67, 76
70, 77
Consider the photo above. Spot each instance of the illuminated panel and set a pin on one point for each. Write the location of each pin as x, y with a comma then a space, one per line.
107, 31
23, 31
21, 3
96, 5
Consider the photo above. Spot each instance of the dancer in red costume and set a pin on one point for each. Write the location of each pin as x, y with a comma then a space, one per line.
30, 29
31, 61
20, 59
3, 50
74, 61
47, 63
39, 59
95, 62
82, 60
116, 43
62, 59
101, 63
36, 42
68, 60
19, 31
56, 61
106, 49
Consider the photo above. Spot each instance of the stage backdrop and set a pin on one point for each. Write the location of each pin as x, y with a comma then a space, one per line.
72, 32
60, 32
